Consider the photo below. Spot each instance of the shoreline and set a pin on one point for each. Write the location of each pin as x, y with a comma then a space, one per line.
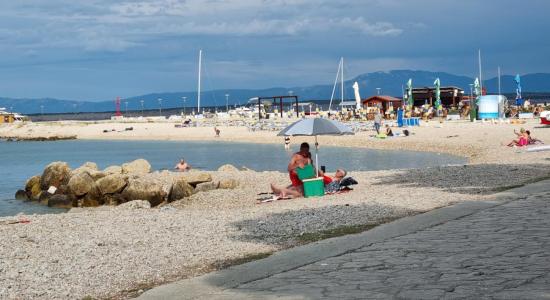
447, 137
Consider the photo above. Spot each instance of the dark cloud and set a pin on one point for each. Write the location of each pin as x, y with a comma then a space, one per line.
96, 49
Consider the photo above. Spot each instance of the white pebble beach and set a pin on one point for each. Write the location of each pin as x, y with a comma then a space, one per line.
117, 253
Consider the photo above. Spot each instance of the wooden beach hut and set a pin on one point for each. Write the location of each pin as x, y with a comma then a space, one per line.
382, 101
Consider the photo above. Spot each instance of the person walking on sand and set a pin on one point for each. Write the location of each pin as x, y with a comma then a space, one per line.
216, 131
377, 121
287, 142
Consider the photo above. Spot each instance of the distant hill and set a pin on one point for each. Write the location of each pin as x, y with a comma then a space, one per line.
390, 83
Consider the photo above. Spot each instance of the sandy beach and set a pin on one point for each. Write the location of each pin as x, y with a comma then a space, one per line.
480, 142
110, 252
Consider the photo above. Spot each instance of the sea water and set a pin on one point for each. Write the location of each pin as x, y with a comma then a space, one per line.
21, 160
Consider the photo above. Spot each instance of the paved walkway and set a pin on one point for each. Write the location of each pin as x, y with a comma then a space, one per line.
490, 250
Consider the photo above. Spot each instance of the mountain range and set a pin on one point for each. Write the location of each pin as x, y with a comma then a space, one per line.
390, 83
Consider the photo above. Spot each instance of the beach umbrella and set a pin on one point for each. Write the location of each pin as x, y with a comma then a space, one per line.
315, 127
410, 99
519, 100
473, 103
437, 84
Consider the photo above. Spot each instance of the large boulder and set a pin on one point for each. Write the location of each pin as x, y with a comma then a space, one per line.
90, 165
61, 201
32, 188
93, 198
55, 174
228, 168
44, 197
113, 199
180, 189
111, 184
207, 186
138, 166
21, 195
194, 178
230, 183
87, 166
81, 183
113, 170
140, 189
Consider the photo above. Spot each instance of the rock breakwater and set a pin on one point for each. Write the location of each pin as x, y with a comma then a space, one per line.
87, 186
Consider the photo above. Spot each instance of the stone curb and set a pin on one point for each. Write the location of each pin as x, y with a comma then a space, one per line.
213, 284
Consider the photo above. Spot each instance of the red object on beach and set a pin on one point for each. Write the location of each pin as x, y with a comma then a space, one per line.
24, 220
117, 105
545, 121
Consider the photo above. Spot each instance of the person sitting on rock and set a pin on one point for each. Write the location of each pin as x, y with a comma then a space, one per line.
182, 166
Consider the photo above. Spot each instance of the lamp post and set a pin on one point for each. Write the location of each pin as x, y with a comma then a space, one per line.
227, 102
141, 101
160, 106
184, 99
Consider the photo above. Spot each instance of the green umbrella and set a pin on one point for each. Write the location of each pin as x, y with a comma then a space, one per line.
437, 84
473, 103
410, 100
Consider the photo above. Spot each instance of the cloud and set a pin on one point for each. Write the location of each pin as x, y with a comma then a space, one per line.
103, 25
373, 29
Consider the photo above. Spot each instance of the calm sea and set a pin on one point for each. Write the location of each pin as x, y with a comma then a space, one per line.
21, 160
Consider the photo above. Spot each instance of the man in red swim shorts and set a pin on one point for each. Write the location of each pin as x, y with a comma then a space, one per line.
299, 160
296, 189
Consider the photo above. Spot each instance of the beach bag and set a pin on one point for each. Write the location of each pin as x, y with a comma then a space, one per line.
346, 182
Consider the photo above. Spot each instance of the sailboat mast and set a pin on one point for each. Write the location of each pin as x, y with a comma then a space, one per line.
499, 80
479, 62
342, 82
334, 86
199, 84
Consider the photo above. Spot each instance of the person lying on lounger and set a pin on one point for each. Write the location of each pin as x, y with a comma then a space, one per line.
332, 184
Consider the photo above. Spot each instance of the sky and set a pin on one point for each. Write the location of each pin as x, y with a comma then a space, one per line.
99, 49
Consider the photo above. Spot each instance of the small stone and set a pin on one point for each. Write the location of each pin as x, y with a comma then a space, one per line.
207, 186
229, 183
194, 178
135, 204
228, 168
